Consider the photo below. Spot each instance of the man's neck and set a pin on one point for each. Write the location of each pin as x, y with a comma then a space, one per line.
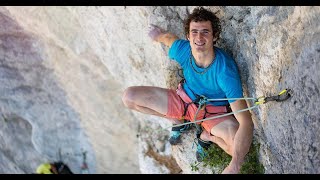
203, 59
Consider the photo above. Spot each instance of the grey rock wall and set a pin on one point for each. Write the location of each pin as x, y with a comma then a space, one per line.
63, 70
37, 121
278, 48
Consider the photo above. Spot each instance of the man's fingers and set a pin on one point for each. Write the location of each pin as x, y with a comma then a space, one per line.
153, 26
154, 32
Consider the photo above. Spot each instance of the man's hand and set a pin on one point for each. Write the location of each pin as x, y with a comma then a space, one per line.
230, 170
162, 36
155, 32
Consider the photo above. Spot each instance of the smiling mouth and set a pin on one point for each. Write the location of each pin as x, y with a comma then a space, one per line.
199, 44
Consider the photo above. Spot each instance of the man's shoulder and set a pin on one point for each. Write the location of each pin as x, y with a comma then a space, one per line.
179, 47
180, 44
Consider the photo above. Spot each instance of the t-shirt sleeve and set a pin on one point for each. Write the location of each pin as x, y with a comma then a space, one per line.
230, 82
179, 51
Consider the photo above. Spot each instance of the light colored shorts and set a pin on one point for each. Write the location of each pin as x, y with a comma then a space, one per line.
177, 100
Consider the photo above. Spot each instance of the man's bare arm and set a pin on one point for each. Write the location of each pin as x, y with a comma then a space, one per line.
160, 35
242, 138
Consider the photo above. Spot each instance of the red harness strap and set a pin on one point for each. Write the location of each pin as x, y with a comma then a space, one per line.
192, 107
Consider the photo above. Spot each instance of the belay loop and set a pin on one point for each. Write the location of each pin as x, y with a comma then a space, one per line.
202, 101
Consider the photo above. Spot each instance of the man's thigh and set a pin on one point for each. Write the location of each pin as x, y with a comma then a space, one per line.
175, 106
226, 129
155, 98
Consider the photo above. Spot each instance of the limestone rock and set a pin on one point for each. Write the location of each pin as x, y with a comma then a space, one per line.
63, 71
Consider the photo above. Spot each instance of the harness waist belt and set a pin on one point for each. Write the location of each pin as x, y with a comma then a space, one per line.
192, 108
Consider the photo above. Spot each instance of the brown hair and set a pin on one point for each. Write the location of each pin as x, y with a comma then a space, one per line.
201, 14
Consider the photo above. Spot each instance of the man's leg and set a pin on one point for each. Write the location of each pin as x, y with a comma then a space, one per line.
223, 134
148, 100
154, 101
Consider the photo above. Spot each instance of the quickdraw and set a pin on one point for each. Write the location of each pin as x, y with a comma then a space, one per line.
282, 96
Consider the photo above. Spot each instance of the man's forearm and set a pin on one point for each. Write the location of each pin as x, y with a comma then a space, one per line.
167, 38
242, 143
243, 137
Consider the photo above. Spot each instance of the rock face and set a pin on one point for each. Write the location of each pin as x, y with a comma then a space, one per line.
63, 71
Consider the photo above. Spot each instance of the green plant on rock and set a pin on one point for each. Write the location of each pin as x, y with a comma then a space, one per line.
251, 163
194, 167
217, 160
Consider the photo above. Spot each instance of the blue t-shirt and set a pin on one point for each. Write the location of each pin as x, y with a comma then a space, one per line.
222, 79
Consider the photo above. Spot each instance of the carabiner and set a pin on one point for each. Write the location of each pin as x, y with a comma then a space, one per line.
284, 95
202, 102
260, 100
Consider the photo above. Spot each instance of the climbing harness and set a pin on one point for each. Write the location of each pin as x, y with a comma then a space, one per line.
202, 101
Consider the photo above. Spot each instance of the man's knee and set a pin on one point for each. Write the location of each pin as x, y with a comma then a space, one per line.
231, 130
128, 97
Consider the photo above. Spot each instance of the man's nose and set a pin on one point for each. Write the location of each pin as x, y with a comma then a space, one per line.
199, 35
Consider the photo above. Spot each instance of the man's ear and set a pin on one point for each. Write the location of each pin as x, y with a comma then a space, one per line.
215, 38
188, 37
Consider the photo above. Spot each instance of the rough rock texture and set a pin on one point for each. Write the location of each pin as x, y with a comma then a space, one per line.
63, 70
55, 82
278, 48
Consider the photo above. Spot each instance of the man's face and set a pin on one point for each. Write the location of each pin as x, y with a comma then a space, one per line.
201, 36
